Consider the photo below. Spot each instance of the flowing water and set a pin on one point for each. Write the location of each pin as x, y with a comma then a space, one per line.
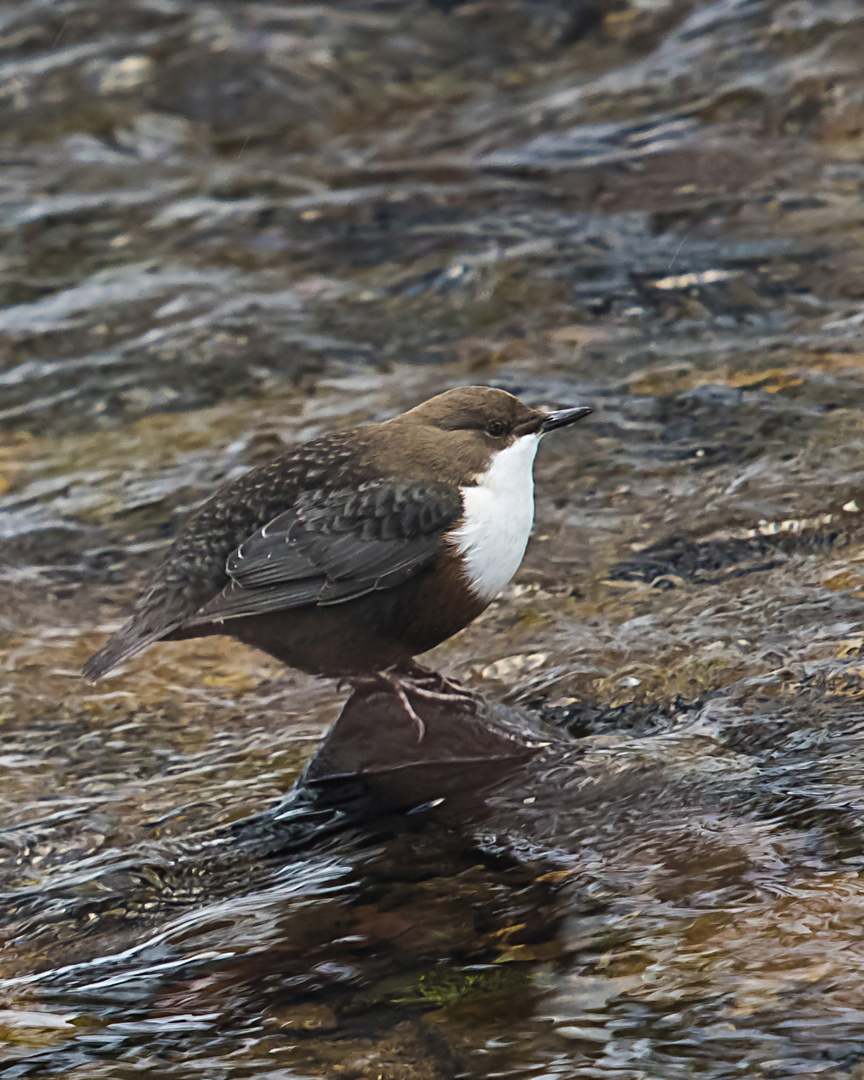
227, 226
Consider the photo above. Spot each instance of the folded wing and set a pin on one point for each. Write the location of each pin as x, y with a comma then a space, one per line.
335, 546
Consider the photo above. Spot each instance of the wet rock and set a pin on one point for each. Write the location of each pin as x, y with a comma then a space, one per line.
464, 749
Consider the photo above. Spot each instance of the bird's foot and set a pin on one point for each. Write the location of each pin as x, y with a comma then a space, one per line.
425, 682
398, 685
394, 683
421, 682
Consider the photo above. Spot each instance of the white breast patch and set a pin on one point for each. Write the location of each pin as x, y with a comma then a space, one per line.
499, 513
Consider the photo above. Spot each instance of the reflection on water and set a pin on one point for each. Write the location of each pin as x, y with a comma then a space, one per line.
229, 226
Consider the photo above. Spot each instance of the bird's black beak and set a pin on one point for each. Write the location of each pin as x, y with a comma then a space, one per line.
563, 417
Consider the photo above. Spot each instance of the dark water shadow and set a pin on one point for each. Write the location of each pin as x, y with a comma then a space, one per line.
482, 872
359, 878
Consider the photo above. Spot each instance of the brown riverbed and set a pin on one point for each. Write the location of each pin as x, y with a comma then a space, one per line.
229, 226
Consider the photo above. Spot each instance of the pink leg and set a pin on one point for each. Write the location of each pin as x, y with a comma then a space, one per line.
443, 689
393, 683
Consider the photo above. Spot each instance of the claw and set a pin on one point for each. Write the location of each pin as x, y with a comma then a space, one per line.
393, 683
442, 689
414, 679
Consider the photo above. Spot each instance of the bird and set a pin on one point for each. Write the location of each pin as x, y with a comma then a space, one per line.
348, 555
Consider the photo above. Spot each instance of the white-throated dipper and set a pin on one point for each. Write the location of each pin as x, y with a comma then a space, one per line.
350, 554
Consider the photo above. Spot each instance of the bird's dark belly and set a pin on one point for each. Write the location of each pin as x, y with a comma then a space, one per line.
363, 635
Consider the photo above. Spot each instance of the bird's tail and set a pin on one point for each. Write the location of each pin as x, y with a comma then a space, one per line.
130, 641
159, 613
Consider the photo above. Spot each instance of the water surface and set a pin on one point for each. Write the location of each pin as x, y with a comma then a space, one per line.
229, 226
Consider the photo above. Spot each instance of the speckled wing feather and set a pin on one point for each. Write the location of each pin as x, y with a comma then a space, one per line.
194, 570
334, 546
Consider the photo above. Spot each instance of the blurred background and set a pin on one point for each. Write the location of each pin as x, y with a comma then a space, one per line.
228, 226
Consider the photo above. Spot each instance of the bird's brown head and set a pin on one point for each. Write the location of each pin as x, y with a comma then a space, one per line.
454, 436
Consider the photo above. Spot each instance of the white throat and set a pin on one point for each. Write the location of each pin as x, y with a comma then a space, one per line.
498, 515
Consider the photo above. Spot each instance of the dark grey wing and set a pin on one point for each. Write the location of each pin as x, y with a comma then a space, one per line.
333, 546
193, 571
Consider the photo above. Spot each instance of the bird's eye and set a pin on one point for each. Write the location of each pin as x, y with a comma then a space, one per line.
496, 428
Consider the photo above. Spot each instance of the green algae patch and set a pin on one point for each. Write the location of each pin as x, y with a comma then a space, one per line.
446, 986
